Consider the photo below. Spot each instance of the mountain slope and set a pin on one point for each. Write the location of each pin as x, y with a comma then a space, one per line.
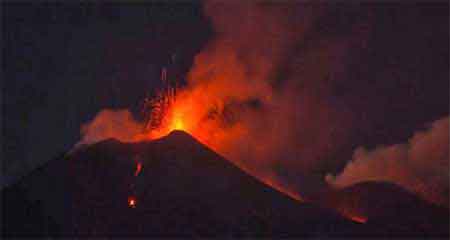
397, 211
182, 189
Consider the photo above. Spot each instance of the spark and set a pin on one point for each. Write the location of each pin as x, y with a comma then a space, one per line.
132, 202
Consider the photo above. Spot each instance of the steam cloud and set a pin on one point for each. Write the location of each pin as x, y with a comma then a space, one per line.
421, 165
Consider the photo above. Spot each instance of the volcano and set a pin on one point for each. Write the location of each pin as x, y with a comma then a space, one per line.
170, 187
400, 212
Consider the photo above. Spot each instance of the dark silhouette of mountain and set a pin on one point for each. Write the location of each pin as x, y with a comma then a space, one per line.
183, 189
396, 211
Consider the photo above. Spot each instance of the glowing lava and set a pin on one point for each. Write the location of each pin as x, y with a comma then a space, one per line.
138, 169
194, 112
132, 202
352, 213
358, 219
170, 110
177, 124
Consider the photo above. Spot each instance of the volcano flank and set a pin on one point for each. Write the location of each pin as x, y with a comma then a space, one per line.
170, 187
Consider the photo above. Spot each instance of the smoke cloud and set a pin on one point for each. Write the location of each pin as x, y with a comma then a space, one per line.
257, 71
108, 123
257, 89
421, 165
259, 92
262, 93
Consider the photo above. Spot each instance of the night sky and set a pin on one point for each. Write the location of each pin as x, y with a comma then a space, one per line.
63, 63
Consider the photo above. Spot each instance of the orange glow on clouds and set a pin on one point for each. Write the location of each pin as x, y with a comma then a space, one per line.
185, 111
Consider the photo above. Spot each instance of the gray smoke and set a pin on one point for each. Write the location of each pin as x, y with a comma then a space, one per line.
421, 165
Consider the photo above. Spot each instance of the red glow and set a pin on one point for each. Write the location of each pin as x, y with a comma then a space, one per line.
132, 202
138, 169
352, 213
358, 219
189, 110
200, 109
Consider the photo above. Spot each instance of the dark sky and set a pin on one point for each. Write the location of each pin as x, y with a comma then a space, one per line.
63, 63
398, 82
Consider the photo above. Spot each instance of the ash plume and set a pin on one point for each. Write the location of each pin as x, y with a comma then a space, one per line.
259, 91
264, 91
257, 87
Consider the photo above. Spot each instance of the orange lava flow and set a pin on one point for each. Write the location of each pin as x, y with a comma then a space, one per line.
358, 219
138, 169
352, 214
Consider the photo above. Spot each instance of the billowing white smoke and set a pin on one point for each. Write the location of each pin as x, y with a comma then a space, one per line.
421, 165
